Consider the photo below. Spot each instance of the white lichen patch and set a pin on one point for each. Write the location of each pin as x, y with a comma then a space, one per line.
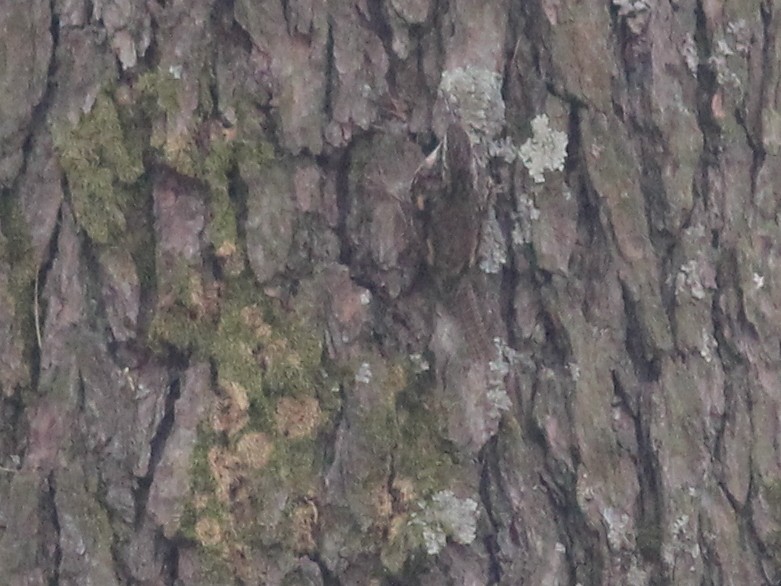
708, 346
498, 401
679, 526
683, 547
503, 148
505, 358
523, 219
473, 97
718, 62
631, 7
445, 516
364, 374
493, 248
689, 53
498, 369
740, 34
546, 150
619, 530
688, 280
176, 71
419, 363
635, 12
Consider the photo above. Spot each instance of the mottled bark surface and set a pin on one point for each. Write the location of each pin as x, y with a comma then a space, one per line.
319, 292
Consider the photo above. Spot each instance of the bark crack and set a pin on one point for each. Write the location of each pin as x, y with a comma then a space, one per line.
157, 447
50, 505
488, 460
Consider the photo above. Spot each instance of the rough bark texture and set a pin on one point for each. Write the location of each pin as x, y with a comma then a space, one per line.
319, 292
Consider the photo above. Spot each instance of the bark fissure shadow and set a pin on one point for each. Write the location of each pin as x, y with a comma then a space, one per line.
581, 543
489, 461
645, 359
49, 505
157, 447
40, 303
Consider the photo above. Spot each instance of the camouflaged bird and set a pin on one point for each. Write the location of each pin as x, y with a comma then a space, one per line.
446, 193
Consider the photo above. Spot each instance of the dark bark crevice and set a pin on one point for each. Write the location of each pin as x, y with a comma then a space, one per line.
40, 309
330, 76
49, 506
156, 449
40, 111
489, 460
645, 359
329, 578
344, 200
586, 561
650, 508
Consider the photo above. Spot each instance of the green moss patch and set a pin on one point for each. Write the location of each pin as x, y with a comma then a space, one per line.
100, 168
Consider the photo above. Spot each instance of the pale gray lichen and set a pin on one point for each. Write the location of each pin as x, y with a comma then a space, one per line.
445, 516
709, 346
493, 248
684, 543
498, 369
503, 148
419, 363
635, 12
740, 33
498, 401
574, 371
679, 526
364, 374
619, 533
690, 55
175, 71
523, 219
637, 575
546, 150
688, 279
473, 97
631, 7
718, 63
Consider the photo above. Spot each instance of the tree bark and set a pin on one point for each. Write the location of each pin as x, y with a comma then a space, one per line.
321, 292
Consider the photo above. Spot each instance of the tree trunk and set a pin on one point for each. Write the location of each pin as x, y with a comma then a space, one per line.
319, 292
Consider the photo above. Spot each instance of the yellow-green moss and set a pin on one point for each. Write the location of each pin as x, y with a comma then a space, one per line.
222, 225
293, 358
202, 502
291, 470
159, 92
210, 159
102, 155
423, 455
99, 167
181, 318
772, 495
177, 327
224, 153
649, 539
16, 249
401, 428
202, 479
16, 253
